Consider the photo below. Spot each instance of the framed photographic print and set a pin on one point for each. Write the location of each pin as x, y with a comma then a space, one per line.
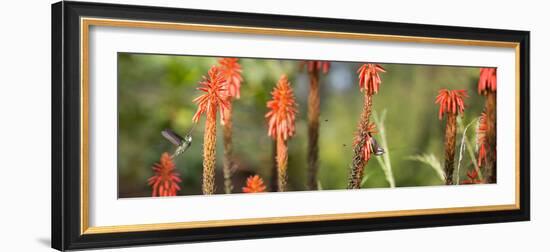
179, 125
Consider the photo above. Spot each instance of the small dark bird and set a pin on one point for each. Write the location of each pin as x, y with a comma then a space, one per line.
182, 143
376, 149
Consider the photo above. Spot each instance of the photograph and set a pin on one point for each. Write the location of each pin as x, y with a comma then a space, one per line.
175, 124
201, 125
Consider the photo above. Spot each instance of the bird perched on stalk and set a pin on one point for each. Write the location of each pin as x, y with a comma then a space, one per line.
369, 84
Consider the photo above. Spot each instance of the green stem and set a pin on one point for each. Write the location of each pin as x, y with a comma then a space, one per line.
384, 160
469, 148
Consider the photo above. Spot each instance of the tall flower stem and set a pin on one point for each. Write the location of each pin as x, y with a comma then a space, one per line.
490, 110
359, 158
282, 161
313, 113
230, 70
209, 154
487, 86
450, 143
369, 83
212, 100
451, 104
274, 181
314, 69
228, 150
281, 119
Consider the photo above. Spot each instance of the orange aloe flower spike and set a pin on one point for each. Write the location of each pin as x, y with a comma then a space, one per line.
451, 101
367, 147
369, 78
487, 80
230, 69
215, 96
324, 66
165, 181
283, 108
254, 184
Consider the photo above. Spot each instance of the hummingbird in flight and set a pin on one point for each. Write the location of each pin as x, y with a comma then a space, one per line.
181, 143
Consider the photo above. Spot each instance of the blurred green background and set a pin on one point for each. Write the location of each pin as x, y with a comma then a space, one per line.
156, 92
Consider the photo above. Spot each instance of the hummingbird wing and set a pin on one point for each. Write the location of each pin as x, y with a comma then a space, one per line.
376, 149
172, 137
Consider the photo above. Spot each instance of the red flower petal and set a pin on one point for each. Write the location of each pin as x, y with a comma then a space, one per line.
487, 80
283, 108
215, 96
369, 79
254, 184
451, 101
165, 181
230, 69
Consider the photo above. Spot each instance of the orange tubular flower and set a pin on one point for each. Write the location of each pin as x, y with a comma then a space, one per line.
254, 184
283, 108
487, 86
215, 97
487, 80
369, 82
313, 65
451, 101
281, 124
165, 181
472, 178
231, 71
369, 78
366, 146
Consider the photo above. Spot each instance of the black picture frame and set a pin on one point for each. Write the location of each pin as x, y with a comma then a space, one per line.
66, 156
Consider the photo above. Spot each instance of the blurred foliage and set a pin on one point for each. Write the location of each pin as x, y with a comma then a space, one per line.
156, 92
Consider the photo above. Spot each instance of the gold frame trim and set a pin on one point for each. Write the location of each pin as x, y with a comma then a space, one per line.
85, 24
